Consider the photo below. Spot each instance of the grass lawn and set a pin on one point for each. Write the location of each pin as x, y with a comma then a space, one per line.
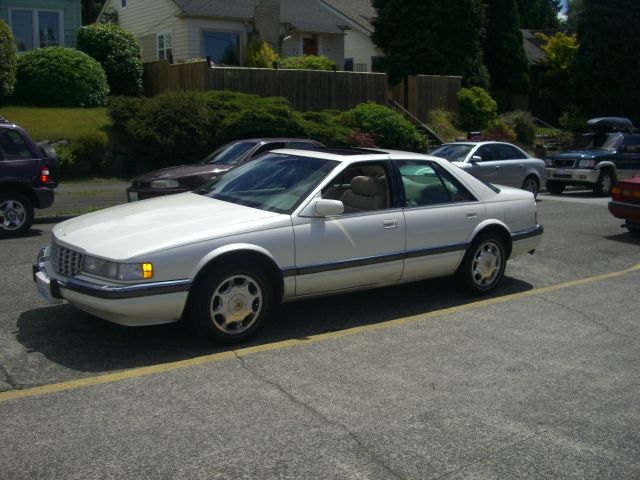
57, 123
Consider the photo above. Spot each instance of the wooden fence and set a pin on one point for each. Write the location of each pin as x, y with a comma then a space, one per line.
307, 90
420, 94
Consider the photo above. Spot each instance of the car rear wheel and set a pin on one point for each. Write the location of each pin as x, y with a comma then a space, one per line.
532, 185
16, 214
483, 265
555, 187
230, 302
604, 184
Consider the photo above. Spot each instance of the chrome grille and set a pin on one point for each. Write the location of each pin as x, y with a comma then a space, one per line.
65, 261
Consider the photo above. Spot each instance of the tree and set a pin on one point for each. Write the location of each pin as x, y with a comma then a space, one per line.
574, 10
504, 53
539, 14
90, 10
607, 63
7, 61
437, 37
119, 53
558, 85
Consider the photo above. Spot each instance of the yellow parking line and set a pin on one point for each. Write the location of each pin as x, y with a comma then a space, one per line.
242, 352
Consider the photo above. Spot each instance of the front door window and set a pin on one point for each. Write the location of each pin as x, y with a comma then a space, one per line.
310, 45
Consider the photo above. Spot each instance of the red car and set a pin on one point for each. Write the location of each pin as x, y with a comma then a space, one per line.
625, 202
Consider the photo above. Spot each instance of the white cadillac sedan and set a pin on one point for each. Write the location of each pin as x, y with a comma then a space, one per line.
290, 225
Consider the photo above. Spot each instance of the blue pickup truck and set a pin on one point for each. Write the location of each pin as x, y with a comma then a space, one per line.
28, 174
612, 153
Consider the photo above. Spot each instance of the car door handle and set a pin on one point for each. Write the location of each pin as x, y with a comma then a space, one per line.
472, 214
389, 224
497, 167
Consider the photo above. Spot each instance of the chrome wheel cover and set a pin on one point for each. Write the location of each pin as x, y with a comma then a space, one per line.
530, 185
606, 183
235, 304
12, 215
486, 265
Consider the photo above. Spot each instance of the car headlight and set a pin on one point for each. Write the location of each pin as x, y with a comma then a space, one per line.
165, 184
117, 271
587, 163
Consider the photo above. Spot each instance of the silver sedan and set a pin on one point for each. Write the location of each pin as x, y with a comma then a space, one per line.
496, 162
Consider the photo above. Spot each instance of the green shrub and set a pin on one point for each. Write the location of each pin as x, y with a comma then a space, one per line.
123, 109
118, 51
307, 62
499, 131
393, 129
262, 122
325, 127
522, 124
260, 55
59, 77
442, 123
7, 61
477, 109
83, 156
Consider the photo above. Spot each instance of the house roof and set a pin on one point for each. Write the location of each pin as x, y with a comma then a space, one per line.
533, 45
359, 12
305, 15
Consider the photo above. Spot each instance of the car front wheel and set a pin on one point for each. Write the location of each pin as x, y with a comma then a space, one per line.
604, 184
230, 302
483, 265
16, 214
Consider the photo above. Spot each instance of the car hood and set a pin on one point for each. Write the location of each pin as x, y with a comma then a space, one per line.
181, 171
582, 154
133, 229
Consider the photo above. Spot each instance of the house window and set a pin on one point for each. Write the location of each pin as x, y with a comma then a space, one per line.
36, 28
360, 67
348, 64
165, 46
222, 47
310, 45
123, 3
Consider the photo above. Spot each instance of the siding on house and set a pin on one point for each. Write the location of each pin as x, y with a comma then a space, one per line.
360, 48
150, 17
72, 14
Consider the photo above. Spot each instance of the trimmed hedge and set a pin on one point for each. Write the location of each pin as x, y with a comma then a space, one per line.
307, 62
478, 110
59, 77
120, 54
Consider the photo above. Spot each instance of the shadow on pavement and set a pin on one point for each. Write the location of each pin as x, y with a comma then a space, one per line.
85, 343
632, 238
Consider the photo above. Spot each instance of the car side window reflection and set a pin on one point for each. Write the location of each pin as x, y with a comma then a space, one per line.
427, 183
487, 153
268, 147
13, 146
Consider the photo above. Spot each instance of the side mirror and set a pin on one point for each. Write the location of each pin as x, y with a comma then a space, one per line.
328, 208
476, 158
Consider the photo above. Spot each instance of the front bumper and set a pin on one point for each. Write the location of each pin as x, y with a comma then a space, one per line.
573, 176
140, 304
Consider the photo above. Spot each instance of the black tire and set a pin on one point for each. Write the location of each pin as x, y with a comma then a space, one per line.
555, 187
16, 214
604, 184
483, 265
230, 301
531, 184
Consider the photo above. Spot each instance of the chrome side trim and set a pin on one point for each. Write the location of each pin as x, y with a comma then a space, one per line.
436, 250
631, 206
531, 232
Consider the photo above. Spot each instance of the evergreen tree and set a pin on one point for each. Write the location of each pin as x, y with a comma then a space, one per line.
432, 37
504, 53
539, 14
607, 63
574, 10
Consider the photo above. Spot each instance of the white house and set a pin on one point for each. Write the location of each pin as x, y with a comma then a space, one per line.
220, 29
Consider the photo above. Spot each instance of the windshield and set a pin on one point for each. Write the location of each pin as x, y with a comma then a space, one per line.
274, 182
605, 141
229, 154
453, 153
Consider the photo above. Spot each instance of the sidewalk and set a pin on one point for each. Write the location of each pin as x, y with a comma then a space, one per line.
76, 198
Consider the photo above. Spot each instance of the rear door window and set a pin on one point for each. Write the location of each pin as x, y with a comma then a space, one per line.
13, 146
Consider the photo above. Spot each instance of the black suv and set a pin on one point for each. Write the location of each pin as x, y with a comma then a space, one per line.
27, 172
612, 153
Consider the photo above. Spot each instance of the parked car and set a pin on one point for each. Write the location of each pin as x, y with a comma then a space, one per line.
612, 153
184, 178
625, 202
27, 178
289, 225
496, 162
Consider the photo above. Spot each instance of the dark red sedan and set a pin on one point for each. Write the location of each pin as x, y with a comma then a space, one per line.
625, 202
185, 178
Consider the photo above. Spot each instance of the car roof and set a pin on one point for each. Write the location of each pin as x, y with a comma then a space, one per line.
486, 142
354, 154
